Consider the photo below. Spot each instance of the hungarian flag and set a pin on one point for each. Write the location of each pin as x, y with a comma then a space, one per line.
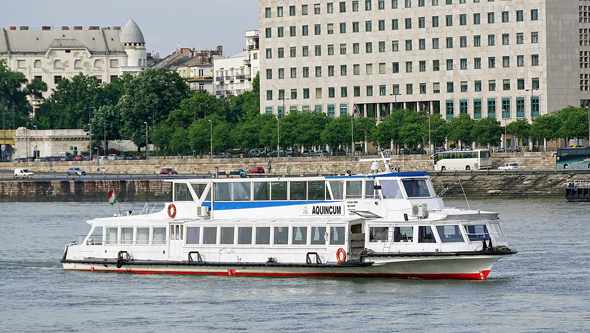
112, 197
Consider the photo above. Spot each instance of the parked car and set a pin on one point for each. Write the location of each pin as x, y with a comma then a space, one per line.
112, 157
338, 152
23, 173
256, 170
76, 171
223, 155
254, 153
78, 158
168, 171
64, 158
20, 159
239, 172
509, 166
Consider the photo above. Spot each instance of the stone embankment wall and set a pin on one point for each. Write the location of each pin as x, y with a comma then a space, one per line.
283, 165
145, 190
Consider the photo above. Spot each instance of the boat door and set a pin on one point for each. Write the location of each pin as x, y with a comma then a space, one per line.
356, 240
176, 240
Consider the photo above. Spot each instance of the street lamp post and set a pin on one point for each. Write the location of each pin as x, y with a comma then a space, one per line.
35, 149
4, 130
89, 131
505, 125
147, 152
211, 140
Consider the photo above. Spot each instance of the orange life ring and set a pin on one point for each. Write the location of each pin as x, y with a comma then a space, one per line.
340, 253
171, 210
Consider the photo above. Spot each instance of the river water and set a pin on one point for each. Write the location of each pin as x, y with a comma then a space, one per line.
543, 288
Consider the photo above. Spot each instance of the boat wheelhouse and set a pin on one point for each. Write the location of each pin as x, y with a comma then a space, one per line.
384, 225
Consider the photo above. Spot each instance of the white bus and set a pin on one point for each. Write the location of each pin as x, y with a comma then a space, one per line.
463, 160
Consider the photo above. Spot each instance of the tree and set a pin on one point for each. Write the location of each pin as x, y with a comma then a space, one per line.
14, 89
487, 131
461, 128
519, 128
574, 122
106, 124
290, 131
544, 127
337, 132
150, 97
439, 129
72, 103
312, 124
411, 131
364, 128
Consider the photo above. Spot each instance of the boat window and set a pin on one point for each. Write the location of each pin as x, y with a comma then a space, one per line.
298, 190
425, 235
222, 192
370, 189
336, 235
261, 191
159, 236
316, 190
416, 188
403, 234
241, 191
245, 235
299, 236
112, 235
390, 189
96, 237
209, 235
192, 235
199, 189
497, 233
354, 189
477, 232
278, 190
449, 233
262, 235
378, 234
281, 236
337, 187
143, 236
181, 192
317, 235
227, 235
126, 235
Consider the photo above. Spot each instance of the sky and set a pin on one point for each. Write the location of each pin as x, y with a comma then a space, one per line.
200, 24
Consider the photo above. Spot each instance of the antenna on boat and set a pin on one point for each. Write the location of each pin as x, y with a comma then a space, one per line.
464, 195
375, 163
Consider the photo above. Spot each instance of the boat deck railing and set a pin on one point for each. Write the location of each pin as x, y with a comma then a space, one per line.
146, 208
581, 183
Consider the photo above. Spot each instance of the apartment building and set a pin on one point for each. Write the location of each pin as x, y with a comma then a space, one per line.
487, 58
234, 75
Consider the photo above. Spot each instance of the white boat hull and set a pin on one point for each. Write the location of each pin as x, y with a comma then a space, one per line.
470, 267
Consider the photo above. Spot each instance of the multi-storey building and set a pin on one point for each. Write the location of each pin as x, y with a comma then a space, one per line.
196, 66
52, 55
234, 75
502, 59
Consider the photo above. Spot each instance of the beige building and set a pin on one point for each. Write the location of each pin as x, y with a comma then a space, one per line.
503, 59
52, 55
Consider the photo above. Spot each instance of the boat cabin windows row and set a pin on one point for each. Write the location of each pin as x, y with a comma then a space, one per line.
426, 234
313, 190
266, 235
131, 236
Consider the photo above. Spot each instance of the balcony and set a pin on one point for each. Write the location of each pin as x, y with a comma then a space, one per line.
241, 77
219, 79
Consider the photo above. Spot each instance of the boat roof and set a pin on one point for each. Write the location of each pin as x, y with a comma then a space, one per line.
302, 178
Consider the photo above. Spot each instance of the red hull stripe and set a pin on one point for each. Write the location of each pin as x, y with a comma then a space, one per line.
451, 276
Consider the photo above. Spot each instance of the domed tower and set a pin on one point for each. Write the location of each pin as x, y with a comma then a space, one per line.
134, 44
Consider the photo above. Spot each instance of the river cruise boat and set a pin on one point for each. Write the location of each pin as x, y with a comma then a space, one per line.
578, 190
376, 225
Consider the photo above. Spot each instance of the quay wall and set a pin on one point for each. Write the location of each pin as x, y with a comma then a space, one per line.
475, 185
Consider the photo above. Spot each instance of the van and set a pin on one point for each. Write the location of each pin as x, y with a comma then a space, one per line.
24, 173
509, 166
